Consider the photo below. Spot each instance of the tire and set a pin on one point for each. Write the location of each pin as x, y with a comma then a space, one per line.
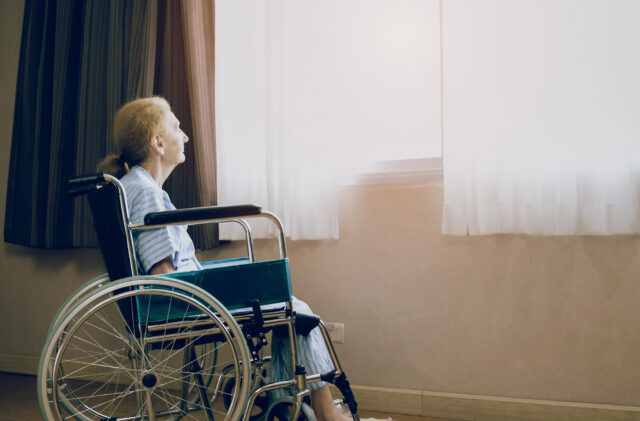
98, 365
283, 411
85, 289
260, 405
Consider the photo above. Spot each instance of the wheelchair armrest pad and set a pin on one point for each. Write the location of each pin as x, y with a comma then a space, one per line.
201, 214
305, 323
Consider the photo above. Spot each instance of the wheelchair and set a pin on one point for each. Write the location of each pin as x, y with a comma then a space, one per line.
187, 345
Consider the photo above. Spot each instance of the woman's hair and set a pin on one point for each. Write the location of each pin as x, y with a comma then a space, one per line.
133, 127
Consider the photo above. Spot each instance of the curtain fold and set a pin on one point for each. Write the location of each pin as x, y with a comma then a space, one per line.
43, 145
184, 75
79, 62
199, 19
116, 66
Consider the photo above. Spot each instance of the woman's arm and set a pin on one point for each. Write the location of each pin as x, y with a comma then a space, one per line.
163, 266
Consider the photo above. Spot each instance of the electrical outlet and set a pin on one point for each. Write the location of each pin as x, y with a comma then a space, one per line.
336, 332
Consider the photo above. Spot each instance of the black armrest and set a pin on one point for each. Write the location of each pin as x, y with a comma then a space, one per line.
199, 214
84, 184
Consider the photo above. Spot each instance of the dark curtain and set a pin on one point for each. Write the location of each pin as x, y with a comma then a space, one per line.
35, 205
79, 62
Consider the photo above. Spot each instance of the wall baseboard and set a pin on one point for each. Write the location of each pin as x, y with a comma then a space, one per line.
450, 406
19, 364
453, 406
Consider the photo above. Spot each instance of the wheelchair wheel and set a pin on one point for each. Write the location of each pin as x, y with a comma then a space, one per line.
283, 410
212, 377
84, 290
260, 405
142, 348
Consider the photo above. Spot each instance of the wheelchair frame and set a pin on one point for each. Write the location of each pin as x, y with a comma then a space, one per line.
195, 323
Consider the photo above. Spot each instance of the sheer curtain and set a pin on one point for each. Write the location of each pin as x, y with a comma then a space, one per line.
541, 134
311, 93
274, 144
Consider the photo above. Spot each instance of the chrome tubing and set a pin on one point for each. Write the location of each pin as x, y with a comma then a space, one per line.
330, 348
249, 239
266, 388
282, 246
281, 241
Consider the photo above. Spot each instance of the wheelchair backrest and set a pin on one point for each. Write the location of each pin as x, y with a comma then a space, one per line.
110, 225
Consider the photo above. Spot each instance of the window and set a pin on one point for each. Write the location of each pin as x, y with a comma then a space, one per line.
309, 93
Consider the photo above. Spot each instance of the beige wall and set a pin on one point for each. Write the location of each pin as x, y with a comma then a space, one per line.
517, 316
33, 282
514, 316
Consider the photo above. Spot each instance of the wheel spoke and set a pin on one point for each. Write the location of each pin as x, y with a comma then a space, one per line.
97, 368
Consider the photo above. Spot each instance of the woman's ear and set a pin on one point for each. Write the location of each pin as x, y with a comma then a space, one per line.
157, 144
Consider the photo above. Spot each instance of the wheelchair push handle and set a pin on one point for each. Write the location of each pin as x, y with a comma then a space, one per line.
85, 184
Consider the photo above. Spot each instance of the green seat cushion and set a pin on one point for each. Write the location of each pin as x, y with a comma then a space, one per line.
235, 283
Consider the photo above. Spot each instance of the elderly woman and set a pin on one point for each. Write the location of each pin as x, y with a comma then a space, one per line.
151, 145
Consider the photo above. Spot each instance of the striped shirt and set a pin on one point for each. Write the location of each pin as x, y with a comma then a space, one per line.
152, 246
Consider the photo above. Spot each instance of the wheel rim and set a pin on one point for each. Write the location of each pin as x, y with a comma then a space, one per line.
85, 289
260, 404
283, 411
98, 368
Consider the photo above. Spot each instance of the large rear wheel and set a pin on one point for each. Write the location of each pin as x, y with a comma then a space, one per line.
284, 409
143, 348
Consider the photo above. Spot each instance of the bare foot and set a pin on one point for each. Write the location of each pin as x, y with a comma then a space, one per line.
346, 416
325, 410
374, 419
350, 418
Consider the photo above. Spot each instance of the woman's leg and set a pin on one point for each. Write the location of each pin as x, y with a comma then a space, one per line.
325, 410
314, 355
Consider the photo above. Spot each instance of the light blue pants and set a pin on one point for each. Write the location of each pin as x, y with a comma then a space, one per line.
312, 352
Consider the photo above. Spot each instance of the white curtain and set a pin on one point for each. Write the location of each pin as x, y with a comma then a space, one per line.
308, 93
541, 133
271, 143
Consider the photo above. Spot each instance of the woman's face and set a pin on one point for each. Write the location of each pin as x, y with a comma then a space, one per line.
174, 139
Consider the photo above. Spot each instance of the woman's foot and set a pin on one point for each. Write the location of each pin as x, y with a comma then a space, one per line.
325, 410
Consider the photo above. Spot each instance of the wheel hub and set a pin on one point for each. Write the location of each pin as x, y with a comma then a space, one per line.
149, 380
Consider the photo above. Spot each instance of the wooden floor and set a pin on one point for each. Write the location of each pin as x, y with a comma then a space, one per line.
18, 398
19, 401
